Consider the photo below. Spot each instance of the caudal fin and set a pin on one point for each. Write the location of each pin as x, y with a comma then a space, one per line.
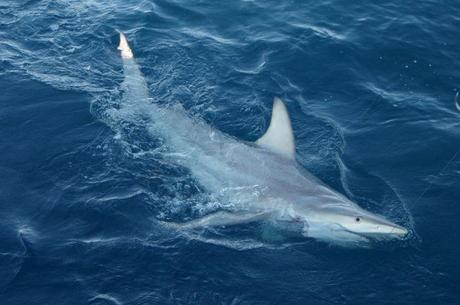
126, 52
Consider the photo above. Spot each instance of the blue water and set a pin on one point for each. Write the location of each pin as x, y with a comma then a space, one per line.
370, 88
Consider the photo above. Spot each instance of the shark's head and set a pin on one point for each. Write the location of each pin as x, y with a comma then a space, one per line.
358, 222
322, 212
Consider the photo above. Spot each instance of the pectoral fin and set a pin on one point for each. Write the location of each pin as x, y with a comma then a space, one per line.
221, 219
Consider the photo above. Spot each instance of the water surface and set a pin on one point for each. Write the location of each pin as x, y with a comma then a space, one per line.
370, 89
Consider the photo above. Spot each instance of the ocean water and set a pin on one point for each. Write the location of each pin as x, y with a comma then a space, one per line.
370, 88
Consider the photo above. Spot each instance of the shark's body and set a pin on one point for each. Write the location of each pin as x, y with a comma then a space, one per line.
254, 181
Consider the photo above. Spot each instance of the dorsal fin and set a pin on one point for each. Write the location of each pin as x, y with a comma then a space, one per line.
279, 137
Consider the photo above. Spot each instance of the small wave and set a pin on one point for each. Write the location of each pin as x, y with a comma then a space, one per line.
200, 34
121, 196
457, 105
258, 66
321, 31
105, 297
421, 101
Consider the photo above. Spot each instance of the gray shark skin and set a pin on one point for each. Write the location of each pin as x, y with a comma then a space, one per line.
254, 181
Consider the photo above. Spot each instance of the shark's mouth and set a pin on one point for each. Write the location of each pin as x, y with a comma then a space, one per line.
375, 236
335, 233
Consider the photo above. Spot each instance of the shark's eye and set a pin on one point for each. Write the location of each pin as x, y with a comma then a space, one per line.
358, 219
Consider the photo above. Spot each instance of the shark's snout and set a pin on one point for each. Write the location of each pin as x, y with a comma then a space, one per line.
399, 230
388, 227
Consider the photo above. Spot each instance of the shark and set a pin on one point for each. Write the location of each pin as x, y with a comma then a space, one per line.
257, 181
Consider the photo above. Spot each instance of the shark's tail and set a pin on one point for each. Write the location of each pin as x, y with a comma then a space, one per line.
126, 52
135, 88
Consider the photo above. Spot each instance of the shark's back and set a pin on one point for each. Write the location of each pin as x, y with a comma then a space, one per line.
219, 162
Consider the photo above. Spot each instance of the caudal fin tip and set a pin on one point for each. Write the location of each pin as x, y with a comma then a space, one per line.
124, 47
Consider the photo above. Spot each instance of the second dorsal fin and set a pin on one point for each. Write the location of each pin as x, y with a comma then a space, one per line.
279, 137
